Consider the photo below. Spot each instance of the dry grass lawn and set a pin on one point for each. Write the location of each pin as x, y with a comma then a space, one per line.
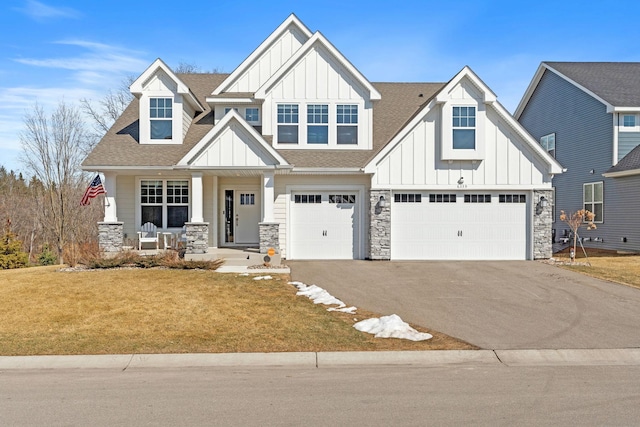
608, 265
47, 311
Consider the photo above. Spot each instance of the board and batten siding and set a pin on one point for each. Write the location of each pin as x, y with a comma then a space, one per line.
270, 61
584, 143
415, 161
627, 141
126, 206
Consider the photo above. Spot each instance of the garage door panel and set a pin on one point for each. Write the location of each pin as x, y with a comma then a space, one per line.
326, 228
459, 230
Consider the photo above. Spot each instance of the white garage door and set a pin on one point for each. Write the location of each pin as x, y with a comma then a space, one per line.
459, 226
324, 225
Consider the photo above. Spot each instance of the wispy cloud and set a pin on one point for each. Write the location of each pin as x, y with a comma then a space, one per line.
101, 58
41, 12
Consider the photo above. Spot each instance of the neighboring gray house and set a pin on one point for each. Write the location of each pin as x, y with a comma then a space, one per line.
587, 114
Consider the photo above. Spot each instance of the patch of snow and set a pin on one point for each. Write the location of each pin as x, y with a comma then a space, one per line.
321, 296
350, 310
391, 326
244, 274
263, 278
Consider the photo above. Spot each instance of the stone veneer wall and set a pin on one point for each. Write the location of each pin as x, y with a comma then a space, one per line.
380, 226
269, 236
110, 236
197, 237
542, 224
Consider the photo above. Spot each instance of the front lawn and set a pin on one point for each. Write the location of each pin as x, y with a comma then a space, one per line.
605, 264
47, 311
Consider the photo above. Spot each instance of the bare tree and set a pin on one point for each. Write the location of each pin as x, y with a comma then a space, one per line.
52, 152
107, 110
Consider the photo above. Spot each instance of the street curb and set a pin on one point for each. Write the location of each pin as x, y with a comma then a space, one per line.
507, 358
573, 357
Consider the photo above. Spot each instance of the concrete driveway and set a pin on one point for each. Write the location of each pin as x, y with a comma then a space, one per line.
492, 304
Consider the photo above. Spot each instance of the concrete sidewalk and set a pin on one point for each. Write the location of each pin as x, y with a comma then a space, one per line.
122, 362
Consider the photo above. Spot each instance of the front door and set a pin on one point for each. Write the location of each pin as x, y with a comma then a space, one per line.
241, 216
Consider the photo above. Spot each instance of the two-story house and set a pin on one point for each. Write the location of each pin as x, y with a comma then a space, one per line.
297, 151
587, 115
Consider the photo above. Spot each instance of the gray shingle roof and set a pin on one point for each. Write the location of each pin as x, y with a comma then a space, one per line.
120, 147
618, 83
628, 163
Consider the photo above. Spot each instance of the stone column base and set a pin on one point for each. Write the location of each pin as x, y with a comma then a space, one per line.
269, 236
380, 225
197, 237
110, 236
542, 225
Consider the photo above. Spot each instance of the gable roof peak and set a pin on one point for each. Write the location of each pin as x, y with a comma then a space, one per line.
291, 21
137, 87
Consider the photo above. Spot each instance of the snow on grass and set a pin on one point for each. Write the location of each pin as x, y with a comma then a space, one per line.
384, 327
391, 326
263, 278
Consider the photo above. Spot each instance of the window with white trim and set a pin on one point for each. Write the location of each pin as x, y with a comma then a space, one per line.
165, 203
464, 128
161, 115
593, 199
347, 124
227, 109
287, 123
628, 123
252, 115
548, 142
317, 124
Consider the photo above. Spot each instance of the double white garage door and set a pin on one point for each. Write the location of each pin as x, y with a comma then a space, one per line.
424, 226
459, 226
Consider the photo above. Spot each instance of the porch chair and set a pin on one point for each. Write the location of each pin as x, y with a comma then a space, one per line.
148, 234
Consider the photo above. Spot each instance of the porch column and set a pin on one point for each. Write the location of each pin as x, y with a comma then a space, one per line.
267, 196
197, 204
110, 211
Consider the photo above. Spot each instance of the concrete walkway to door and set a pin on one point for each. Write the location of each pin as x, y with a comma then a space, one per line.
492, 304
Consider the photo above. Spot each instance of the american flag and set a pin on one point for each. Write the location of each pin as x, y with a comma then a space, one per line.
93, 190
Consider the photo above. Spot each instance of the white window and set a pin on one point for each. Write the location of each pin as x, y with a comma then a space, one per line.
227, 109
593, 199
252, 115
629, 120
628, 123
161, 114
317, 124
165, 203
347, 124
548, 142
464, 128
287, 123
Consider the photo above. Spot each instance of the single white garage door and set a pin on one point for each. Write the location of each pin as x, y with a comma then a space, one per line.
324, 225
459, 226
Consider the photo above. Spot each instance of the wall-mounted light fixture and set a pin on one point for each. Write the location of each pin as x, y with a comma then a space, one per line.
542, 203
461, 180
382, 202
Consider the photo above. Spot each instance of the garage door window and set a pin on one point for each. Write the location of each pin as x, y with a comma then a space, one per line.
307, 198
342, 198
512, 198
407, 198
442, 198
477, 198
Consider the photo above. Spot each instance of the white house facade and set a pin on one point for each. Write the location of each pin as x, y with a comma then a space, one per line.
298, 152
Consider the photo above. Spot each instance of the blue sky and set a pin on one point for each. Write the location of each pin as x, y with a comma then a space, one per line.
54, 50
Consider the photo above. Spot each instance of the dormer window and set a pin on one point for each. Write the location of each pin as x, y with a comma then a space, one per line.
161, 114
464, 128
